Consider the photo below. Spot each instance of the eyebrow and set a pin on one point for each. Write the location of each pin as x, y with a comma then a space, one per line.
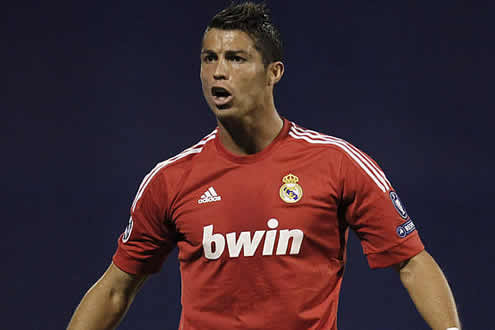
208, 51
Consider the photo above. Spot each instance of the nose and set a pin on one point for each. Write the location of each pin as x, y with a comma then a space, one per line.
221, 70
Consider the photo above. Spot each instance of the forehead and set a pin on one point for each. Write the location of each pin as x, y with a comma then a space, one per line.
219, 40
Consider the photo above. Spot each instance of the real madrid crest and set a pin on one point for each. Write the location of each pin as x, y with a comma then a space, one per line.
291, 192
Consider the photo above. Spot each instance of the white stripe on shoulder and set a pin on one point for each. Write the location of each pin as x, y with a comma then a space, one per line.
364, 158
197, 148
311, 138
361, 154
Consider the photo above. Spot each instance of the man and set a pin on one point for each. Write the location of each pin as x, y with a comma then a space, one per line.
260, 209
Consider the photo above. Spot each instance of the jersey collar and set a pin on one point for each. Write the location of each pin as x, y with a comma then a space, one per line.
245, 159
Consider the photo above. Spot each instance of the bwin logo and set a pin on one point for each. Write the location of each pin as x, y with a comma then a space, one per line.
249, 246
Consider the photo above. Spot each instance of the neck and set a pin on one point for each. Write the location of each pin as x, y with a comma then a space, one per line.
250, 134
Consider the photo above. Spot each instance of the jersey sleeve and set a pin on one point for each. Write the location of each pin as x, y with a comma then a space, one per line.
374, 211
148, 237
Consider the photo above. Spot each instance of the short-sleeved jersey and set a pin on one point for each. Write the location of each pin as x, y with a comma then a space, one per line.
262, 238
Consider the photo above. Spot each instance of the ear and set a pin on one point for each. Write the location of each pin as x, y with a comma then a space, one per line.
275, 71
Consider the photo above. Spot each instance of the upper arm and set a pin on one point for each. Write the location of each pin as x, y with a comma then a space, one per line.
409, 263
374, 211
417, 262
104, 305
120, 282
150, 236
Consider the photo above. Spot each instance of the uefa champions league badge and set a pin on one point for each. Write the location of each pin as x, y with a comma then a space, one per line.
398, 205
127, 231
291, 192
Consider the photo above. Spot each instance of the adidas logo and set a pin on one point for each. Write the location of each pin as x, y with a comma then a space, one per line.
209, 196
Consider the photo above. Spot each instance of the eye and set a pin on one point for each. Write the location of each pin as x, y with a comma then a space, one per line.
238, 59
209, 58
235, 58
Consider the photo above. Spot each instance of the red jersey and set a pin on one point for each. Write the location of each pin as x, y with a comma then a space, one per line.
262, 237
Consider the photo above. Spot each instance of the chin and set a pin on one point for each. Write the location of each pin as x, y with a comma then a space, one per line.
224, 111
227, 111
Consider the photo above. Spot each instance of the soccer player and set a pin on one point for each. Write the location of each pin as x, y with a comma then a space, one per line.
260, 209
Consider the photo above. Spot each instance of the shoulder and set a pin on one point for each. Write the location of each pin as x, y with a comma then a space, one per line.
173, 168
348, 155
311, 139
187, 157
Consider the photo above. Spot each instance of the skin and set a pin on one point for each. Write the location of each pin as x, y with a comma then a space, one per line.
229, 59
429, 290
247, 125
107, 301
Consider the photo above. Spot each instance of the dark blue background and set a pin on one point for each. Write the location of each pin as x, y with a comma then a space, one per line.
97, 93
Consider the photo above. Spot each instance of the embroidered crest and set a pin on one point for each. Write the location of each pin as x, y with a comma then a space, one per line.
291, 192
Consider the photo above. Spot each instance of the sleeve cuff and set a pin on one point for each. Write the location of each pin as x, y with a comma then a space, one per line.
396, 254
133, 266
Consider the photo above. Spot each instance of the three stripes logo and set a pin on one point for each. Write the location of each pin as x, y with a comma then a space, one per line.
209, 196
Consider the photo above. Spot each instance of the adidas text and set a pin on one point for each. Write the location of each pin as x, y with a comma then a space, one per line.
209, 199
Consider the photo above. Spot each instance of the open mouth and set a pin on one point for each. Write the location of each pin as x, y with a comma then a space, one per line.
221, 96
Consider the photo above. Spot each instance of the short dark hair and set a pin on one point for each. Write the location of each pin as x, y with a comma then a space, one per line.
253, 19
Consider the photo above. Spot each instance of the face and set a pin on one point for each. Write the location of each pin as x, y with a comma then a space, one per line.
233, 76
